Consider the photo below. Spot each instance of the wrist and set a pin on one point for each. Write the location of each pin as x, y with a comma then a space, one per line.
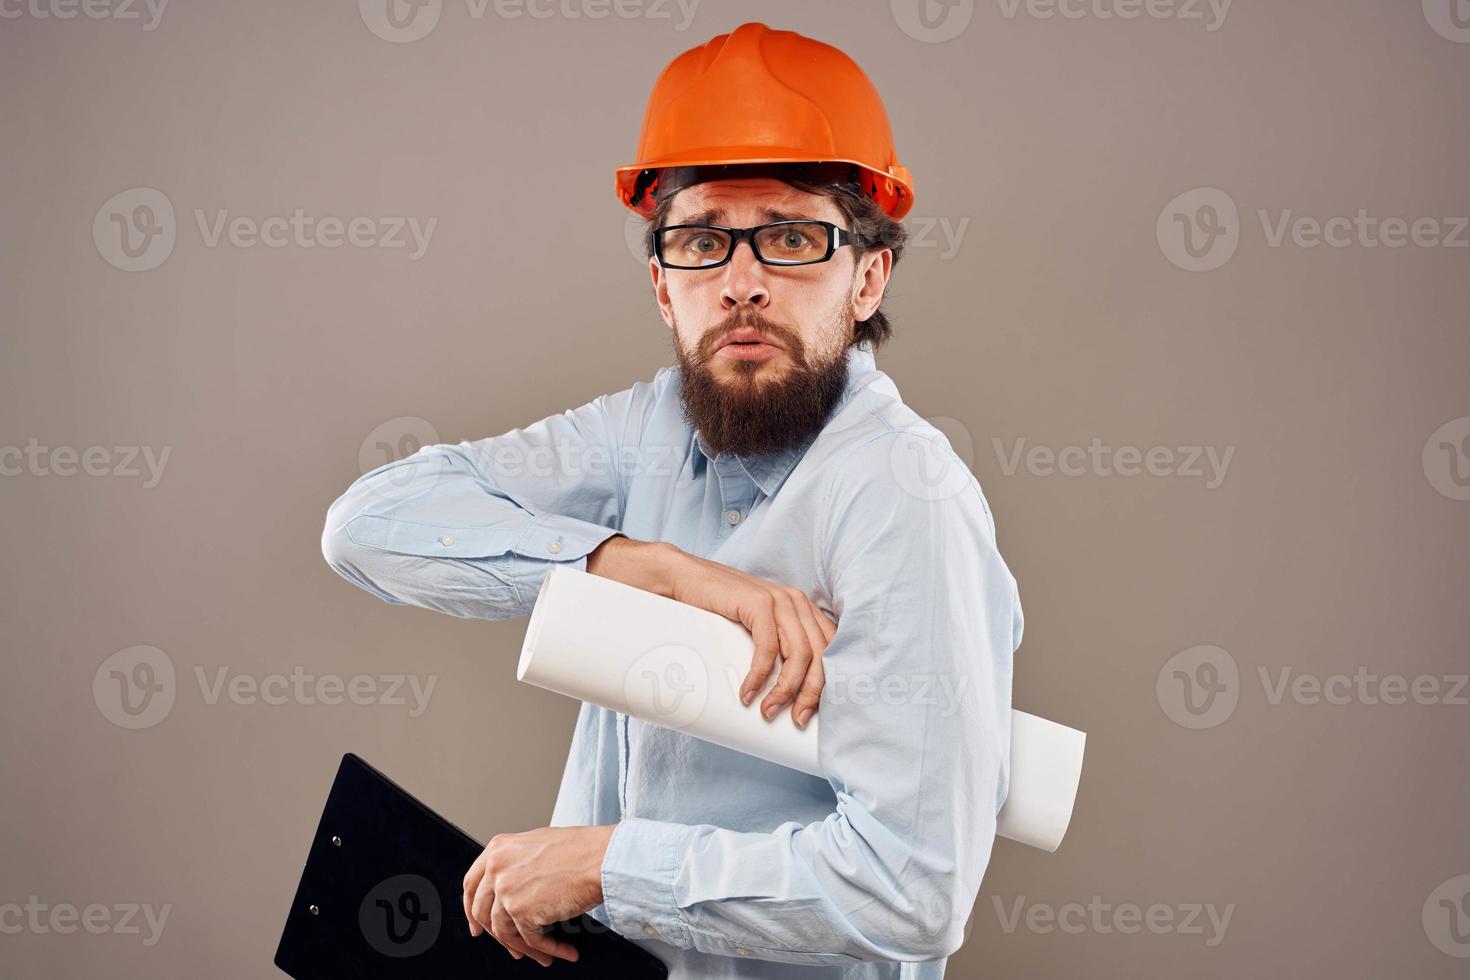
603, 837
646, 565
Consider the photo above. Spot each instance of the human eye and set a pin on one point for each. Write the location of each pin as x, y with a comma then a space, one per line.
794, 242
695, 243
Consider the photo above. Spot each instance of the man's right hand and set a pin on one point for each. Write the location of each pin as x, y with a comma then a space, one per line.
781, 619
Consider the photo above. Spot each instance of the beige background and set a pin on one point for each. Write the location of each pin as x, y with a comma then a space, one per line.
1058, 318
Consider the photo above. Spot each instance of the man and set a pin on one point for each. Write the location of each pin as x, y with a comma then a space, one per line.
772, 475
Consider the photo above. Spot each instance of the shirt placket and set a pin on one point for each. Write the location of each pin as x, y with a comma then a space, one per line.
737, 495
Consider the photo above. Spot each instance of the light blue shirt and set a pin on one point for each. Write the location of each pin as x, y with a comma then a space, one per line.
723, 865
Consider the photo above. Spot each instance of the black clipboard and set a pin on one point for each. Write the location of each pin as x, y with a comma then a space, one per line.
380, 898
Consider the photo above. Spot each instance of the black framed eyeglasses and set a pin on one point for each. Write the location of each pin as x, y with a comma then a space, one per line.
782, 243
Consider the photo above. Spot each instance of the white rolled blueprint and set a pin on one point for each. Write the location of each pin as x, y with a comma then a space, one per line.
680, 666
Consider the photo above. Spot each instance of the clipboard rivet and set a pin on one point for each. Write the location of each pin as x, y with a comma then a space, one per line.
336, 841
316, 910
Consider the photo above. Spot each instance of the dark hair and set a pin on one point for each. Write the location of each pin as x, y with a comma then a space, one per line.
863, 217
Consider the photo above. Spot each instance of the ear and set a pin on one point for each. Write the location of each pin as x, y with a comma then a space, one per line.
870, 282
661, 291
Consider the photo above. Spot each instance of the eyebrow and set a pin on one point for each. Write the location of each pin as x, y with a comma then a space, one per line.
711, 216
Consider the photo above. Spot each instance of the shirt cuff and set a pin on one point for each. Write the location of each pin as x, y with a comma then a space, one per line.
638, 870
548, 539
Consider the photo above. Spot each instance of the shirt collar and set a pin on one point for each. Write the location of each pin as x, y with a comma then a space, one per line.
770, 470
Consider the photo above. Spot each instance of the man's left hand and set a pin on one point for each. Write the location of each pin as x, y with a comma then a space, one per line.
525, 882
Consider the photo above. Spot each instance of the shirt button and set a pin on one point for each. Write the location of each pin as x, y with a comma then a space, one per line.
554, 547
649, 930
742, 950
733, 517
447, 540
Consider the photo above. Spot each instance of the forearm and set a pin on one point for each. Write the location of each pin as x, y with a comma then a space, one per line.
435, 531
847, 889
647, 565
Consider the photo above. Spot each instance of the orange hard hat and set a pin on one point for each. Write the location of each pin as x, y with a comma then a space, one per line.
758, 96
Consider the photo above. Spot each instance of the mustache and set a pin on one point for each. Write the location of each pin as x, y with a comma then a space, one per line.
789, 339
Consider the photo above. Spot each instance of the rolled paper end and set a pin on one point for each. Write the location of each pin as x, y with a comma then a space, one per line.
539, 615
1046, 770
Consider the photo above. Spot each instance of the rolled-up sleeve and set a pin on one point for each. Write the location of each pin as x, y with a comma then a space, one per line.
914, 737
471, 529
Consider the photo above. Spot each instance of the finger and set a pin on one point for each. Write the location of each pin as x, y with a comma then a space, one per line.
471, 885
809, 698
468, 917
796, 653
812, 619
510, 937
762, 625
481, 902
548, 944
829, 628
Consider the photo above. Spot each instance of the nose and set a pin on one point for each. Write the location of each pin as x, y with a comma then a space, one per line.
745, 280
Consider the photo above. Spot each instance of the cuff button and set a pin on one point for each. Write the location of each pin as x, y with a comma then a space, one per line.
554, 547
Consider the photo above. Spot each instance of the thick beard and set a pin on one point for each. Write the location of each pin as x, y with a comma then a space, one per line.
746, 415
